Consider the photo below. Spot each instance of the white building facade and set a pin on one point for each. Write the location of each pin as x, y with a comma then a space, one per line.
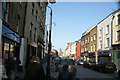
116, 38
104, 39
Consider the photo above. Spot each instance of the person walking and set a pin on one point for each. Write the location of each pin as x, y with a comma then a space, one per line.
34, 70
65, 74
13, 63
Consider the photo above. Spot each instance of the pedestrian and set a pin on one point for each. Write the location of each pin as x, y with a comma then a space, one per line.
3, 75
13, 63
119, 74
34, 70
65, 74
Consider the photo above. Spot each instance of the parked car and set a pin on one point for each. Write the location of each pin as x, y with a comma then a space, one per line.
79, 62
105, 67
70, 63
88, 64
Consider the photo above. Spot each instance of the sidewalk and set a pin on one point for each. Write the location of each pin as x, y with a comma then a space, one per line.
53, 73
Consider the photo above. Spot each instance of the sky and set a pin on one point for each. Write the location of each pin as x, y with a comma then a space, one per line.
73, 18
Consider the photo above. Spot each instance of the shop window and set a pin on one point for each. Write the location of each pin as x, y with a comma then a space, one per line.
11, 50
6, 51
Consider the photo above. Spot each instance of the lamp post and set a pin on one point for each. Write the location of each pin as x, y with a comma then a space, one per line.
49, 45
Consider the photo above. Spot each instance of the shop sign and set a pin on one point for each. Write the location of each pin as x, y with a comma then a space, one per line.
102, 52
10, 34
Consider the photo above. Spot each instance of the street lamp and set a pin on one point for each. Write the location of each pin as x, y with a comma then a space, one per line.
49, 45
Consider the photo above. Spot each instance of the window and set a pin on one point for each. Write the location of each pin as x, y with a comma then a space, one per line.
91, 48
94, 37
4, 10
85, 48
35, 35
119, 19
88, 40
107, 42
118, 33
94, 47
18, 22
31, 25
101, 44
36, 15
33, 8
107, 29
100, 32
91, 38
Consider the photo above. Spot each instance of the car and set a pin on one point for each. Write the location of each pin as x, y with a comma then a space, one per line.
70, 63
79, 62
105, 67
88, 64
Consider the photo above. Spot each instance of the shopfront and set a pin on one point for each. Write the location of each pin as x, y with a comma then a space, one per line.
92, 56
105, 56
31, 51
10, 44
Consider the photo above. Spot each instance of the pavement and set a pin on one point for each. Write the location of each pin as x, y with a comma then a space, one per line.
53, 73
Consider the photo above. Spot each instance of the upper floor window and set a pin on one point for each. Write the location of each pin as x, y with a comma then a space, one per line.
94, 47
31, 25
101, 44
18, 23
107, 29
36, 15
119, 19
91, 48
91, 38
88, 40
100, 32
94, 37
118, 33
35, 34
107, 42
33, 8
4, 10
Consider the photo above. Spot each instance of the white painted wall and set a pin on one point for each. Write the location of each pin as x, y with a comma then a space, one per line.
115, 28
73, 48
102, 25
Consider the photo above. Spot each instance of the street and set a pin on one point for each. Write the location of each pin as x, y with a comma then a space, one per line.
83, 73
86, 73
